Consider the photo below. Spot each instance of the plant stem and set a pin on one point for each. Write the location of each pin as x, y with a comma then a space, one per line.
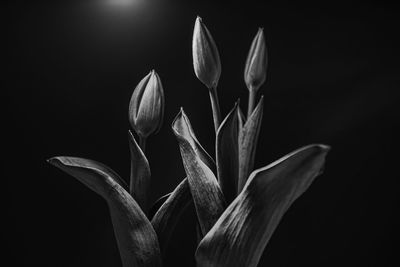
215, 107
252, 98
142, 143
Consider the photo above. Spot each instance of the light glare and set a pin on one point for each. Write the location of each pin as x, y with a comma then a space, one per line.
123, 2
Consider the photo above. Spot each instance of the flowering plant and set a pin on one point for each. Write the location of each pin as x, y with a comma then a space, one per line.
237, 208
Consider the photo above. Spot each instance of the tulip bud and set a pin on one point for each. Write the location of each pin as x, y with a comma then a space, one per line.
255, 71
146, 108
206, 62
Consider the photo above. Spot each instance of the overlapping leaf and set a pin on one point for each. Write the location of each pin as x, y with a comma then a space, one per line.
181, 126
140, 174
248, 138
157, 205
137, 241
240, 235
170, 212
227, 156
207, 195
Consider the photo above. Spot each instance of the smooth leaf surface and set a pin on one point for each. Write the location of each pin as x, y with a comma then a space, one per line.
240, 235
248, 138
157, 205
207, 195
137, 241
227, 154
140, 174
170, 212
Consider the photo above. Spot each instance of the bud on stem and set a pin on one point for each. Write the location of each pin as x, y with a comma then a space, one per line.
207, 65
255, 71
206, 62
146, 108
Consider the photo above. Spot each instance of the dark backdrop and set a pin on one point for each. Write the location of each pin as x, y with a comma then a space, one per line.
69, 69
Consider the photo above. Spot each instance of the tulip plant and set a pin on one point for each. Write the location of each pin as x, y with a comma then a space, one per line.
237, 208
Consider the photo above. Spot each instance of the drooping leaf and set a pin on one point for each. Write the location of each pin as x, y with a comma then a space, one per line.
140, 174
170, 212
240, 235
157, 205
248, 138
137, 241
207, 195
181, 125
227, 154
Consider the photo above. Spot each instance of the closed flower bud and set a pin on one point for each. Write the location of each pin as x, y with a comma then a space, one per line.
206, 62
255, 71
146, 108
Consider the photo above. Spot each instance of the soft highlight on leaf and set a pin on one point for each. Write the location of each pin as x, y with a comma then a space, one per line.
157, 205
181, 126
227, 154
170, 212
207, 195
137, 241
240, 235
248, 138
140, 176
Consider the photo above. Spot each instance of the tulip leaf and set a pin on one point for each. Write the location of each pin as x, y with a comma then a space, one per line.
135, 236
170, 212
207, 195
240, 235
248, 137
140, 174
241, 118
157, 205
227, 154
181, 125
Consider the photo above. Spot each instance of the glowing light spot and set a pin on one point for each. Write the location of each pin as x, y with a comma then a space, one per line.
123, 2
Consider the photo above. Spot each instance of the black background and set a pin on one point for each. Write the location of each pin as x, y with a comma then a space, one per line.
70, 67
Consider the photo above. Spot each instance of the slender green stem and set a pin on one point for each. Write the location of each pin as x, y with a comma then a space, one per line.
142, 143
252, 98
215, 107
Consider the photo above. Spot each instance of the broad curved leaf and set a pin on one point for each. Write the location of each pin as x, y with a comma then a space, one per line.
157, 205
227, 154
207, 195
240, 235
168, 215
181, 125
136, 238
248, 138
140, 174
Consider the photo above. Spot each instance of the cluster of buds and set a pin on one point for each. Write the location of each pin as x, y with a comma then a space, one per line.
237, 208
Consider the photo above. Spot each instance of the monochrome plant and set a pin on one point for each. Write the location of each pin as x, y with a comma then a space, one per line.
237, 208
